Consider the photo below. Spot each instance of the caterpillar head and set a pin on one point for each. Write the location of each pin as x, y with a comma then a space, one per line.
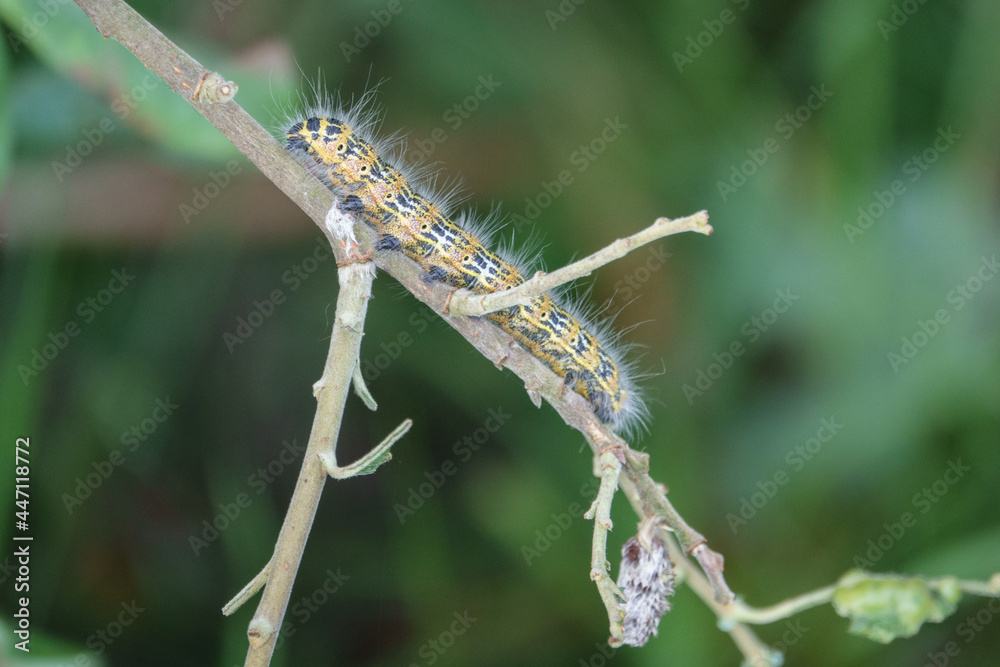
334, 145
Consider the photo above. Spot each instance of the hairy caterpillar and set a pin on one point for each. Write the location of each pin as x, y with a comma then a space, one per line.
338, 143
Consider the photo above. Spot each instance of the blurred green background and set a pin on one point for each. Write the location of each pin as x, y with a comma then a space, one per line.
847, 153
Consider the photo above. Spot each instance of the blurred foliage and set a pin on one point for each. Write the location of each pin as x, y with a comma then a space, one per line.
885, 607
784, 318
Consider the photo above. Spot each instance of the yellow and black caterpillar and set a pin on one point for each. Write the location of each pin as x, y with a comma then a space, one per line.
374, 186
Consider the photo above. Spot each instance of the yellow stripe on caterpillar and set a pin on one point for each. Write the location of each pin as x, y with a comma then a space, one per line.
373, 187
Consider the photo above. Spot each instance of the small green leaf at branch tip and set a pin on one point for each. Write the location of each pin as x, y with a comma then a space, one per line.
371, 461
883, 607
356, 469
372, 466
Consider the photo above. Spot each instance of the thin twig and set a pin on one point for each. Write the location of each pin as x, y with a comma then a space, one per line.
331, 394
368, 463
361, 389
653, 502
114, 19
989, 588
610, 466
755, 651
187, 77
744, 613
752, 648
249, 590
464, 302
794, 605
339, 228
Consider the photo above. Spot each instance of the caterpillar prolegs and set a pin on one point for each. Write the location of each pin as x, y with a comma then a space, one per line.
372, 184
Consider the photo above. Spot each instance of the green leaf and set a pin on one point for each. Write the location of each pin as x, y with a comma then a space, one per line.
883, 607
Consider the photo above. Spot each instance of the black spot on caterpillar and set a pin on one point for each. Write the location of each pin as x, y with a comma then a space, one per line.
338, 143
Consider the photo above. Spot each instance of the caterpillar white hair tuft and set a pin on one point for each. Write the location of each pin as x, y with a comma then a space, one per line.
339, 143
